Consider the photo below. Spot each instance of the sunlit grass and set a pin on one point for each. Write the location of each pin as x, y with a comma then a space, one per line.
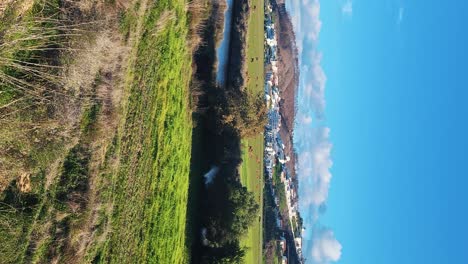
252, 170
151, 185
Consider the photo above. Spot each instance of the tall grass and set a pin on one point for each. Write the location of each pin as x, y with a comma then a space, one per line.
30, 86
28, 54
33, 132
151, 185
11, 230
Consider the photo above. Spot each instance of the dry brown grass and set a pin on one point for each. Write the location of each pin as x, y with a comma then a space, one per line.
94, 64
66, 88
34, 77
107, 59
166, 17
199, 14
199, 11
23, 6
14, 156
94, 57
4, 4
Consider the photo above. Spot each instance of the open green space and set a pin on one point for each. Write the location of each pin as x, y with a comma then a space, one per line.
252, 148
252, 178
150, 186
255, 49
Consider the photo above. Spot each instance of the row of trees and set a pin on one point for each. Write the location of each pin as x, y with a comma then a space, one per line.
224, 116
229, 209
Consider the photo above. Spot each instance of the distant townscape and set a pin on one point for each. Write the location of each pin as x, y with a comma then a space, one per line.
275, 158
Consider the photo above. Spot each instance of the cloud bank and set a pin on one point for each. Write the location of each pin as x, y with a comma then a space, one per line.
305, 17
314, 168
311, 136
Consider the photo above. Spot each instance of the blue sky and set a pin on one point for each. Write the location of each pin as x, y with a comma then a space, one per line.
385, 85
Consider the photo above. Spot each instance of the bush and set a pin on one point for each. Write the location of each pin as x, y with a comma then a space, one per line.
243, 111
231, 209
243, 208
74, 178
229, 253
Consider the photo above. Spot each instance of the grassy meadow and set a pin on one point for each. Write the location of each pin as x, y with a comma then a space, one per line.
252, 148
252, 177
150, 187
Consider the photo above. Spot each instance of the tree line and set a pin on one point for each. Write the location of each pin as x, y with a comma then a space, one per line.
223, 116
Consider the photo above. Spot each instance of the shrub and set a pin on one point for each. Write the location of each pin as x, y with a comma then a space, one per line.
74, 177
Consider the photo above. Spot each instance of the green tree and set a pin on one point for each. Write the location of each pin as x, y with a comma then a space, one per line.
244, 209
244, 111
230, 253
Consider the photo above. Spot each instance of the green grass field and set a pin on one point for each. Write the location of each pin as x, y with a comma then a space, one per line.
252, 178
252, 167
151, 185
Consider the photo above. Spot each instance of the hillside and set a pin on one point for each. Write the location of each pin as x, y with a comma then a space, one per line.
110, 117
96, 131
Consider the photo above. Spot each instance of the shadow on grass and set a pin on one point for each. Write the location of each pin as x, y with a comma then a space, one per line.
198, 165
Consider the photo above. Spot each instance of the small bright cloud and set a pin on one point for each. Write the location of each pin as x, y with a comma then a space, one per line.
400, 15
347, 8
325, 248
306, 120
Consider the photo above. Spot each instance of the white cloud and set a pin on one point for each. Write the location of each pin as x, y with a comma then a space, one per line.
347, 8
324, 246
312, 11
314, 168
313, 79
306, 21
311, 139
317, 80
306, 119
